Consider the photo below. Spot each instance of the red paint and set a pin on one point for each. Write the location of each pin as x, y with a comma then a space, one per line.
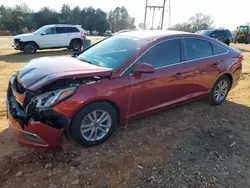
133, 95
42, 130
144, 68
42, 71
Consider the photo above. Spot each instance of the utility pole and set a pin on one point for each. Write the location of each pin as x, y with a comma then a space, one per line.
153, 18
145, 15
154, 7
169, 13
162, 19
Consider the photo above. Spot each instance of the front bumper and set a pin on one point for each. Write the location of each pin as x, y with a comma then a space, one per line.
31, 131
18, 45
36, 134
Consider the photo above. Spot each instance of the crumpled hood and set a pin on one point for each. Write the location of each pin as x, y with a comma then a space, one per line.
42, 71
23, 35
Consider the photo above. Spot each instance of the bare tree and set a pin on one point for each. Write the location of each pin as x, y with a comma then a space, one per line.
197, 22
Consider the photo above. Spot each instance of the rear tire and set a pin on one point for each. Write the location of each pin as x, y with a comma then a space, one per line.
219, 92
93, 124
30, 48
76, 45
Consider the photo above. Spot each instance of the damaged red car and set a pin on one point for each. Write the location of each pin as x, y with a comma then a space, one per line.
123, 77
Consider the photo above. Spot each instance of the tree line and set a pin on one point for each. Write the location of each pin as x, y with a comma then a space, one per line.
22, 19
195, 23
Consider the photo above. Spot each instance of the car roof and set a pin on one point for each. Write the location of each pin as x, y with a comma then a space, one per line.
62, 25
215, 30
151, 34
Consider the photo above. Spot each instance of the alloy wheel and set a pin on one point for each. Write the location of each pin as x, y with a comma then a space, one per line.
96, 125
76, 45
29, 48
221, 90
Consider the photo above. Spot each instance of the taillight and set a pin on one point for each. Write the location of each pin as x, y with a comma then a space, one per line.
83, 35
241, 58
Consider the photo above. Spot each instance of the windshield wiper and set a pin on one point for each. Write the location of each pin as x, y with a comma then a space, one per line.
86, 61
90, 62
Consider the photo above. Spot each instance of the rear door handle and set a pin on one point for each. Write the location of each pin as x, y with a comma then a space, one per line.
215, 65
178, 75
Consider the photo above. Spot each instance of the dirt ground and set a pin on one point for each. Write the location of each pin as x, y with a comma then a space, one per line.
194, 145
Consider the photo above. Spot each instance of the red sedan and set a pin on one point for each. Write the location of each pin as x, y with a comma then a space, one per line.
123, 77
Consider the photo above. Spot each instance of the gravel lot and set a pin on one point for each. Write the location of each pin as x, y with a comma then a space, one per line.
194, 145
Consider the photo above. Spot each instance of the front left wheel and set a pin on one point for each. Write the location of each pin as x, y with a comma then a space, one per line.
29, 47
93, 124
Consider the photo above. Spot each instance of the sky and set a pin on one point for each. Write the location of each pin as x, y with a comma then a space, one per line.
225, 13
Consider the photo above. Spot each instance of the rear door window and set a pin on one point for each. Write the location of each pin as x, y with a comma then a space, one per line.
218, 50
61, 30
228, 33
214, 34
222, 34
72, 30
163, 54
197, 48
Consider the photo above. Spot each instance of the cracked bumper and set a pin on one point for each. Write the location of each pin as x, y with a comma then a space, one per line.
35, 133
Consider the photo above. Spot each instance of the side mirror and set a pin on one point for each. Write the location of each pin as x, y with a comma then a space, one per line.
212, 35
43, 34
144, 68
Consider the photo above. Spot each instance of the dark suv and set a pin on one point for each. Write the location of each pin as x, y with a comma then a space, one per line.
224, 35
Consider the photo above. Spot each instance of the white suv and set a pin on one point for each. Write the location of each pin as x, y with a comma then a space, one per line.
51, 36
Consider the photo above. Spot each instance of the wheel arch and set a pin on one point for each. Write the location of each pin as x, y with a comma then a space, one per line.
75, 39
230, 78
34, 42
229, 75
112, 103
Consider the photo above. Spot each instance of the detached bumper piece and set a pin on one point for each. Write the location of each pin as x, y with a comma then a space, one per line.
34, 130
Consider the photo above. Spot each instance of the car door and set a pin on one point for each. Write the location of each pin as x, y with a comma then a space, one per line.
151, 91
72, 32
214, 34
222, 36
203, 65
48, 38
63, 38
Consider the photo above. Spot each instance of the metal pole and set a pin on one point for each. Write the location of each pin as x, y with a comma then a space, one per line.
169, 14
163, 10
153, 18
145, 14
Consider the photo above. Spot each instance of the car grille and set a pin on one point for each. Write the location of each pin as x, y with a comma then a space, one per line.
16, 41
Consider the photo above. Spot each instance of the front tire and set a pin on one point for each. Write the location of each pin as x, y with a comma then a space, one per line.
29, 48
93, 124
220, 90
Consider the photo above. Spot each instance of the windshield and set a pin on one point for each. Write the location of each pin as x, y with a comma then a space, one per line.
205, 32
112, 52
244, 28
40, 30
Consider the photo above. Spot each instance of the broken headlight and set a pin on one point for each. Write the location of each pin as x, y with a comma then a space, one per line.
50, 98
